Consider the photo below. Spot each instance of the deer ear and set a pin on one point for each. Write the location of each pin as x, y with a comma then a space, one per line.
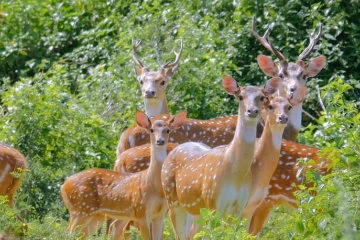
267, 101
178, 120
230, 85
315, 66
143, 120
267, 65
271, 86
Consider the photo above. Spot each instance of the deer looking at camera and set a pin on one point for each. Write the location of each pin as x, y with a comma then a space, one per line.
267, 151
92, 195
195, 176
153, 89
293, 76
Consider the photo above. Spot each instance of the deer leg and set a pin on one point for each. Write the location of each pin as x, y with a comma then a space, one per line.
117, 229
195, 227
179, 219
144, 227
157, 227
260, 216
93, 224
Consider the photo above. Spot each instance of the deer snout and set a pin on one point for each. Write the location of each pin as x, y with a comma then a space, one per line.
292, 89
160, 142
150, 93
252, 112
283, 119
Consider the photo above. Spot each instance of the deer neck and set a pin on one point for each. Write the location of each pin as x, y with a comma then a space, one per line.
240, 152
157, 158
267, 152
293, 127
155, 106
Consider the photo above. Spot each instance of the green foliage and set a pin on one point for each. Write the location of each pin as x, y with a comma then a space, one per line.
214, 226
10, 222
68, 90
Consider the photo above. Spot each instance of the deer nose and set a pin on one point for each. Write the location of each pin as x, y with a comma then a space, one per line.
160, 142
252, 112
150, 93
283, 119
292, 89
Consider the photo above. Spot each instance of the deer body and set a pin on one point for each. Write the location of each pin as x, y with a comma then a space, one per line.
93, 195
287, 176
11, 162
213, 132
194, 176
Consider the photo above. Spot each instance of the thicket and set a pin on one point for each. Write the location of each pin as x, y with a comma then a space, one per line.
68, 90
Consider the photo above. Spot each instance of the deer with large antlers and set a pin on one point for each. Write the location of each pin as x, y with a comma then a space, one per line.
153, 88
195, 176
293, 76
12, 170
93, 195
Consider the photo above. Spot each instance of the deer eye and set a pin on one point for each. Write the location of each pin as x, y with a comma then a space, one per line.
241, 98
162, 83
262, 98
151, 130
290, 107
168, 131
141, 82
270, 107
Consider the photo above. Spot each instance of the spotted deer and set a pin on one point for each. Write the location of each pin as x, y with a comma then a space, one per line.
153, 89
293, 76
12, 170
195, 176
92, 195
267, 151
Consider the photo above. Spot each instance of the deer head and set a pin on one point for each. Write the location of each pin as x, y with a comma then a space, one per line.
153, 83
293, 75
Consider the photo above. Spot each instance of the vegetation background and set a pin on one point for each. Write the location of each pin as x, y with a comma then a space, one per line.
68, 90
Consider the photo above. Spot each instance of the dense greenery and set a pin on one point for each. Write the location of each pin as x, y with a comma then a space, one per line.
68, 90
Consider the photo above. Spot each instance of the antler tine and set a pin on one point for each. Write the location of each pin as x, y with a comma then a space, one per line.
177, 58
312, 43
135, 46
266, 42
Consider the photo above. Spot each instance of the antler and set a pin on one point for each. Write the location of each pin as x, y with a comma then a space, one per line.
266, 42
177, 58
135, 46
312, 43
